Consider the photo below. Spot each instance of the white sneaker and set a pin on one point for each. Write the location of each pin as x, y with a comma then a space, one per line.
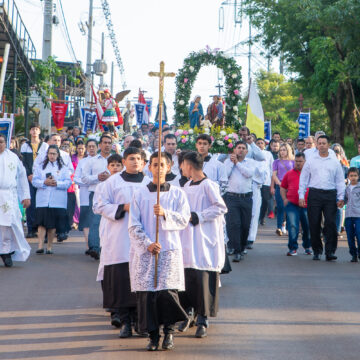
283, 230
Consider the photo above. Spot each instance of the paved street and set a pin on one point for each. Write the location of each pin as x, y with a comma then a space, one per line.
272, 307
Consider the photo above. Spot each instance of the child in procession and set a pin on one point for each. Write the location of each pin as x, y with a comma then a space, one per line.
158, 304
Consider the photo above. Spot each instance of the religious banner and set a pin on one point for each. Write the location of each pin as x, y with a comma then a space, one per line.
6, 128
164, 114
304, 125
267, 130
140, 109
149, 106
88, 120
58, 111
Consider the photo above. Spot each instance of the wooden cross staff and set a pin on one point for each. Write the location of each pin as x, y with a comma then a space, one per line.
161, 75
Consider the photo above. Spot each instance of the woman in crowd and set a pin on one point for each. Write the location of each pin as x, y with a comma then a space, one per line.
52, 179
281, 166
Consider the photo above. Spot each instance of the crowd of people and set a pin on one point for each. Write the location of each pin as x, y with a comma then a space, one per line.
210, 208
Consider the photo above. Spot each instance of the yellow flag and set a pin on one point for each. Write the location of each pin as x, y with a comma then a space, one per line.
255, 113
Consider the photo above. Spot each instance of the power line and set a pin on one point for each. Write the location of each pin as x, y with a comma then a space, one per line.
67, 35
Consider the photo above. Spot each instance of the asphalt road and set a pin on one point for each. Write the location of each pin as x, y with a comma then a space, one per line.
271, 307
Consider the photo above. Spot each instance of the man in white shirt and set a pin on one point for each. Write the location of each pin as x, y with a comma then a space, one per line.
213, 169
254, 152
238, 198
310, 151
325, 179
265, 189
94, 172
170, 147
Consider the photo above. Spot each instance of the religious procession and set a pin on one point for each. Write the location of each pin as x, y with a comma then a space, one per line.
167, 209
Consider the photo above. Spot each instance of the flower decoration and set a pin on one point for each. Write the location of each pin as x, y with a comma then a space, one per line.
186, 78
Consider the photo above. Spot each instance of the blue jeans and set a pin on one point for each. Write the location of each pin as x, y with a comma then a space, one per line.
352, 226
280, 207
295, 215
94, 237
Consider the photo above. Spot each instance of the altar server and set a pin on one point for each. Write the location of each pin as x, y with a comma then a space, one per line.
158, 305
203, 245
14, 187
112, 201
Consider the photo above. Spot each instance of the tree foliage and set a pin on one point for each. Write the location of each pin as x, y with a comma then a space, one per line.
320, 43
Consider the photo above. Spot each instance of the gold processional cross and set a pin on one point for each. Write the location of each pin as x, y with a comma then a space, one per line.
161, 75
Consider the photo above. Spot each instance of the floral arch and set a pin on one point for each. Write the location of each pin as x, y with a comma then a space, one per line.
186, 77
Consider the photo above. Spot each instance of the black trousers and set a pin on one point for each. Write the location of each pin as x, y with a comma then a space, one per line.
322, 202
265, 198
30, 211
238, 220
71, 207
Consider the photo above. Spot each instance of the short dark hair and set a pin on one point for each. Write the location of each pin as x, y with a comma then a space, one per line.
195, 159
258, 139
69, 128
89, 140
3, 136
240, 142
276, 133
168, 155
245, 128
105, 136
300, 140
130, 151
169, 136
35, 125
324, 137
155, 155
181, 156
153, 130
115, 158
205, 137
353, 170
300, 154
136, 143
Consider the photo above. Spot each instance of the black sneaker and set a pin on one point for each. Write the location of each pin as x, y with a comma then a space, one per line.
354, 259
153, 344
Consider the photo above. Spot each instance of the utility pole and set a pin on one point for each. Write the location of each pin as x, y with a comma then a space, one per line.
102, 59
45, 113
88, 57
112, 78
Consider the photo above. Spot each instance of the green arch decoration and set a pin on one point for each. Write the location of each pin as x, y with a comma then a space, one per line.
186, 77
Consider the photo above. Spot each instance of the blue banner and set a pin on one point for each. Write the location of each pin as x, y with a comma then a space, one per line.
139, 110
267, 130
149, 106
88, 120
304, 125
6, 128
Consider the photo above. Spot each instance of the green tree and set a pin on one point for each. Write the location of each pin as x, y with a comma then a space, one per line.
280, 102
320, 43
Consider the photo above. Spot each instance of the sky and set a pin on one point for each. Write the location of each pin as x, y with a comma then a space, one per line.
147, 31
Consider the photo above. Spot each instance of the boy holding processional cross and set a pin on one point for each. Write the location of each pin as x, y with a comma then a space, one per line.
157, 296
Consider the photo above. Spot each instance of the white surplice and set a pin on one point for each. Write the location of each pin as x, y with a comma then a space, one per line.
14, 187
114, 235
142, 228
203, 244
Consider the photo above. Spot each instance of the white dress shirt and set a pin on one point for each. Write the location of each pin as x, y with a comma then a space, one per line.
269, 159
323, 173
240, 175
84, 188
309, 153
93, 167
51, 196
215, 171
254, 152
